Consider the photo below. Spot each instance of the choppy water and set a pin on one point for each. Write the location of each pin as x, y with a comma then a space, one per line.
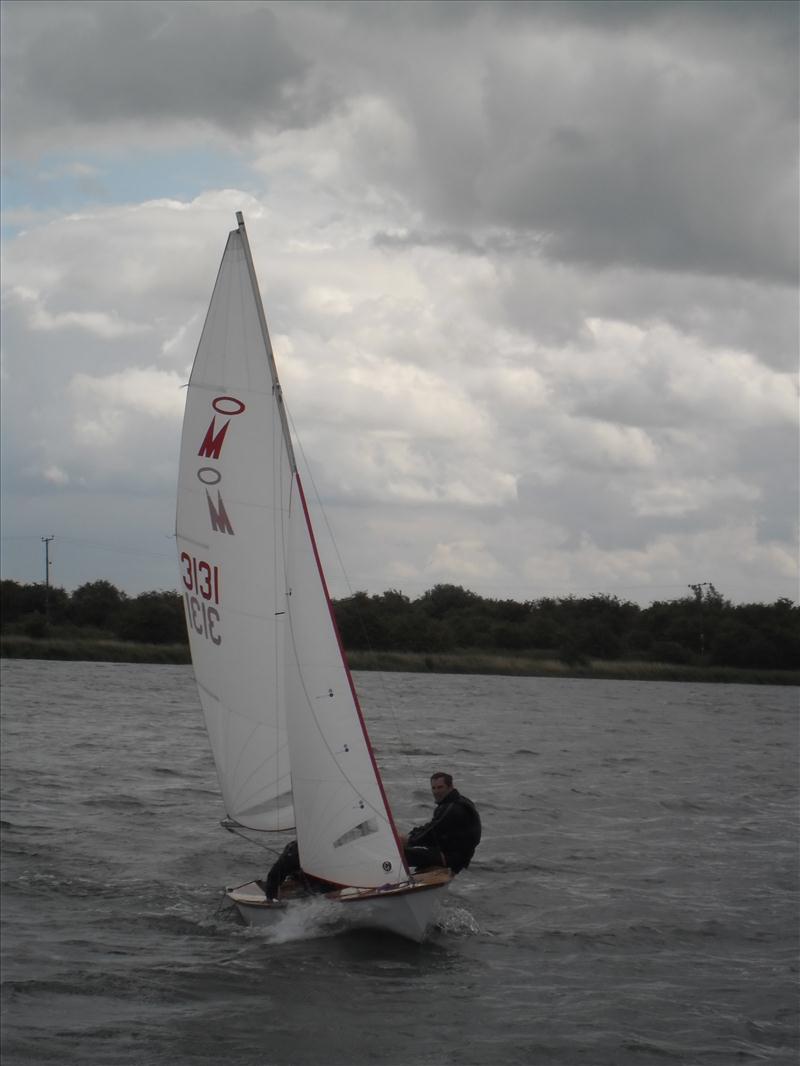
634, 900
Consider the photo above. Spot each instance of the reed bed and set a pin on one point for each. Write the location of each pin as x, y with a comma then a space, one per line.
105, 651
17, 646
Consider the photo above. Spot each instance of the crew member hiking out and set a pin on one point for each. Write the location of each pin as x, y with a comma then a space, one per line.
453, 833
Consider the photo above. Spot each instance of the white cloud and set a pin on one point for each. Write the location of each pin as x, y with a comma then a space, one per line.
100, 323
671, 498
464, 560
145, 390
55, 475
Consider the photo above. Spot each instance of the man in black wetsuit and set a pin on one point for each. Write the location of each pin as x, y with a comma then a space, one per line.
451, 836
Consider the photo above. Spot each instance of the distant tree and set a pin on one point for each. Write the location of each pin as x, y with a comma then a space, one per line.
669, 651
543, 627
470, 629
96, 603
699, 628
573, 651
15, 601
362, 622
509, 611
153, 618
35, 625
421, 634
19, 600
444, 600
394, 600
510, 637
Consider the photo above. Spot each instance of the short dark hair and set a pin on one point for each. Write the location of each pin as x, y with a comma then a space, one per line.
447, 778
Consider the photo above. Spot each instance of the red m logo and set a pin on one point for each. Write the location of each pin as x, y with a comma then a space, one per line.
212, 446
219, 516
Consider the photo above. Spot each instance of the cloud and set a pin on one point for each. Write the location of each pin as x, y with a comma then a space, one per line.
464, 560
147, 391
55, 475
532, 297
100, 323
80, 66
671, 145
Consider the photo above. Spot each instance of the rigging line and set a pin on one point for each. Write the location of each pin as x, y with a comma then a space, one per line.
258, 843
221, 908
279, 573
388, 700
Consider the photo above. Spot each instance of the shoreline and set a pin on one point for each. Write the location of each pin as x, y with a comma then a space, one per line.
466, 662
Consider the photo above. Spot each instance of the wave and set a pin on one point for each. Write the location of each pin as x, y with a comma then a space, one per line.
119, 803
457, 921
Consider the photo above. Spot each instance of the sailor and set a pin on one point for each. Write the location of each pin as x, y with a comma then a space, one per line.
287, 868
452, 834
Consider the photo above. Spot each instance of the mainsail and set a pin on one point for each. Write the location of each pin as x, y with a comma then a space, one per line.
269, 668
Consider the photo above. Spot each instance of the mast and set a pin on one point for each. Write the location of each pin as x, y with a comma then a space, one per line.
262, 318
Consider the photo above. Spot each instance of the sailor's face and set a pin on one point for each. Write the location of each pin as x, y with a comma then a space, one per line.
439, 789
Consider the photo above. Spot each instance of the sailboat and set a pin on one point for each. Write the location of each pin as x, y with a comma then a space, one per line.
287, 732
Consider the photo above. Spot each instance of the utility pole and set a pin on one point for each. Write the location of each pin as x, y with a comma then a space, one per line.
46, 542
698, 592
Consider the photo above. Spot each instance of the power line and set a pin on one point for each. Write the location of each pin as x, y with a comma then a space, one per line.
120, 549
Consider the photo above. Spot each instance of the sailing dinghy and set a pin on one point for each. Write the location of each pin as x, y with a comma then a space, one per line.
288, 736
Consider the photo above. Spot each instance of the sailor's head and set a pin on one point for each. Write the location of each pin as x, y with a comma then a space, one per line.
441, 785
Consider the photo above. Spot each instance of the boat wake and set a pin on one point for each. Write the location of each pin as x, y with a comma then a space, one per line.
457, 921
305, 919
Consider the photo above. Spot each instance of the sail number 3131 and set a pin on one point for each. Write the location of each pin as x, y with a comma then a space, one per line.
201, 581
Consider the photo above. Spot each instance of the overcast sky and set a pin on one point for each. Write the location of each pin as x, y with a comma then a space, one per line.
530, 272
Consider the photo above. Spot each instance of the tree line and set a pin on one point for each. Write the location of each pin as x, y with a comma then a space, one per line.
701, 628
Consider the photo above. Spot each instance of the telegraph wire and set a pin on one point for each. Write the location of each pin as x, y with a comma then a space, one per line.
122, 550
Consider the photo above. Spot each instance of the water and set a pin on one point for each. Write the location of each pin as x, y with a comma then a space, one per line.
633, 901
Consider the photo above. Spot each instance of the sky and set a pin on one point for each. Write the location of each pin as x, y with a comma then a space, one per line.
530, 272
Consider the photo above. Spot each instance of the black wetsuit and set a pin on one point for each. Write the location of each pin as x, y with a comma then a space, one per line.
454, 830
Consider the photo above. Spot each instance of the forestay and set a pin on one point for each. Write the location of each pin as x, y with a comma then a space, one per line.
269, 669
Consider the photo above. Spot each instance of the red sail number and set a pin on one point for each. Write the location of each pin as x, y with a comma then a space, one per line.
200, 576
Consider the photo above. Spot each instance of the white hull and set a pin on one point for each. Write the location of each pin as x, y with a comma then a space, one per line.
407, 910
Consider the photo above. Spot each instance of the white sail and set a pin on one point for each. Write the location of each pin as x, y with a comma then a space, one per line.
233, 498
344, 827
268, 664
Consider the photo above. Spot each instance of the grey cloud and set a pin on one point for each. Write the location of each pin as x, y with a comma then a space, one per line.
454, 240
599, 506
769, 457
660, 136
671, 147
95, 64
722, 312
631, 163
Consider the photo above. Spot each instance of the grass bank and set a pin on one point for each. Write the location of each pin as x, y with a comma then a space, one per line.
534, 666
97, 649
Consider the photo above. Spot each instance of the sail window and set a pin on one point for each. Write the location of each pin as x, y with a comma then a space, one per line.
363, 829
